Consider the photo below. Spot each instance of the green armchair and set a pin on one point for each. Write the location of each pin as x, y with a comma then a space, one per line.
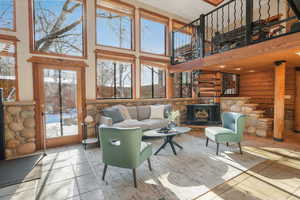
232, 130
123, 147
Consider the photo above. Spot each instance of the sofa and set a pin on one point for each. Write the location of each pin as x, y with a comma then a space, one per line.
120, 116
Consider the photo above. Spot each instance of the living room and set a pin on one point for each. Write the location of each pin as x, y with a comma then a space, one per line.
136, 99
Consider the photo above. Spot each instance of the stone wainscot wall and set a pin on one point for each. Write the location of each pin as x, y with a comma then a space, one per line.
20, 130
256, 123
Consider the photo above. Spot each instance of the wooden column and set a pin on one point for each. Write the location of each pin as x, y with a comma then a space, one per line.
279, 96
297, 102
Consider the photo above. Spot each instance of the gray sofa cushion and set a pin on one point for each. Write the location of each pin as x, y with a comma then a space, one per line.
143, 112
132, 123
156, 123
132, 112
113, 113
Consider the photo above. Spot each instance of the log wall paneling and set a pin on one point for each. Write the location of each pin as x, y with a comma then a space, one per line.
260, 87
297, 102
279, 100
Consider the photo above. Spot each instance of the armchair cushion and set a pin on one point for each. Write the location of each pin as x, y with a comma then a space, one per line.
219, 134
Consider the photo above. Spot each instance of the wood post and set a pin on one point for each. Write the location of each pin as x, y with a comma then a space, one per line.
279, 96
297, 102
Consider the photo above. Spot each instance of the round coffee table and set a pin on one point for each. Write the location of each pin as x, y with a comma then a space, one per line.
168, 137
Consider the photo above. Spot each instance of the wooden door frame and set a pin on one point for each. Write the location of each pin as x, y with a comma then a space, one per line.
39, 64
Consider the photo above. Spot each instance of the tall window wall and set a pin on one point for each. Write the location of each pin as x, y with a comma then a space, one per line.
58, 27
114, 24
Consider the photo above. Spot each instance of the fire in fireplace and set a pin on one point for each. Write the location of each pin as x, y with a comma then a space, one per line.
203, 114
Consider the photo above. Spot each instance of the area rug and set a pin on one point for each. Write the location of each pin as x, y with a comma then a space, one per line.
20, 170
194, 171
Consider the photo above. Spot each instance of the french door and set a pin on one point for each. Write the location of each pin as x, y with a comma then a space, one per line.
60, 105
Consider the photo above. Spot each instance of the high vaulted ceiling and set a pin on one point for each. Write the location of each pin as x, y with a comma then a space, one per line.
187, 9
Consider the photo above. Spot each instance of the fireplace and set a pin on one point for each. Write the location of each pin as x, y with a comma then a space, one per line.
203, 114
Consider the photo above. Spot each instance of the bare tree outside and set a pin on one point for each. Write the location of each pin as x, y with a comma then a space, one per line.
58, 26
113, 79
115, 30
7, 69
7, 14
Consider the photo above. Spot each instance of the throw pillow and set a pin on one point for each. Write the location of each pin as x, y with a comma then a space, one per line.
157, 112
113, 113
124, 112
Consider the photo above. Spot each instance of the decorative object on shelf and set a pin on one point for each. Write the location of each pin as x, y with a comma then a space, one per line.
88, 120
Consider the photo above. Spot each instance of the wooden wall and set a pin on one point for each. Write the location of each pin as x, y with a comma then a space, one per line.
260, 87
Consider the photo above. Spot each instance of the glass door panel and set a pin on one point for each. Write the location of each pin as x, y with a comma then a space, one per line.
60, 109
69, 102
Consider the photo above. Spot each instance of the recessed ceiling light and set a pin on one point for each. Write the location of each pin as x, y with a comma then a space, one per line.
251, 71
222, 66
298, 53
238, 69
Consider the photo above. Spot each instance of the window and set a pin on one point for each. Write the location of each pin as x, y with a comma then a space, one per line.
8, 70
58, 27
114, 79
182, 86
230, 84
153, 34
7, 15
153, 82
114, 24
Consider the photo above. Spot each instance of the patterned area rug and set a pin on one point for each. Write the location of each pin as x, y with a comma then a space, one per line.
194, 171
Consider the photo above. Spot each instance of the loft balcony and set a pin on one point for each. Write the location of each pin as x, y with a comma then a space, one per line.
233, 25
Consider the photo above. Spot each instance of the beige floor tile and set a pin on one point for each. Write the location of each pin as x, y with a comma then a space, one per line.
87, 183
92, 195
59, 190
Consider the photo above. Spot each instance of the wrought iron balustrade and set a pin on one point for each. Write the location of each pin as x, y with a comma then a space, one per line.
234, 24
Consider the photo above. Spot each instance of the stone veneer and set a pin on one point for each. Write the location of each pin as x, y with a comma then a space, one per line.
256, 123
94, 107
20, 131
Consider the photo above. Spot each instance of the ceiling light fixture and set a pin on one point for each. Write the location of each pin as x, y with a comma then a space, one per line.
222, 66
298, 53
251, 71
238, 69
